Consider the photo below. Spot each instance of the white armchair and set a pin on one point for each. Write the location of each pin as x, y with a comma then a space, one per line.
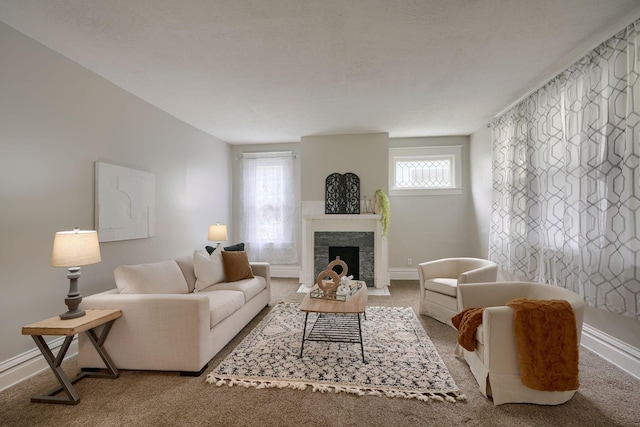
439, 280
494, 362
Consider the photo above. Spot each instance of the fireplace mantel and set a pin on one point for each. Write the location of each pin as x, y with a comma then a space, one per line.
346, 223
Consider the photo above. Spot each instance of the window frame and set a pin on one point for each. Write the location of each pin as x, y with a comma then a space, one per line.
453, 152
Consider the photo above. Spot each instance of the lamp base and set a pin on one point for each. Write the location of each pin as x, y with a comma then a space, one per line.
72, 314
73, 298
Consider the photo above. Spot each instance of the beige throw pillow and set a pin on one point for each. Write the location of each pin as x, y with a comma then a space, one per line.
208, 268
236, 266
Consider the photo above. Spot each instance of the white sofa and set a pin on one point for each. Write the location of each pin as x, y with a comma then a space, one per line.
494, 362
170, 327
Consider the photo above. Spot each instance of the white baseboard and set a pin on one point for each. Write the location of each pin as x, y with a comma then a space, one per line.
403, 273
30, 363
611, 349
286, 271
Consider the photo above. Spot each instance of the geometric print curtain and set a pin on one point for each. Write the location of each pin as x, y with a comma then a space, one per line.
566, 180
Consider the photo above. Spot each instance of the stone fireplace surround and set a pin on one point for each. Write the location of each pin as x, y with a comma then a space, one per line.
362, 241
313, 220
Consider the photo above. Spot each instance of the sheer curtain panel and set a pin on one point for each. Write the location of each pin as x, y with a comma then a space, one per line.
268, 208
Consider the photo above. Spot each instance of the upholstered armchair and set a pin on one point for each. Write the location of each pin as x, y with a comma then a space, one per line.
494, 362
439, 280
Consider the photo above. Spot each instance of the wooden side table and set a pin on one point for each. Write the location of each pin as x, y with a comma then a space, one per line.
69, 328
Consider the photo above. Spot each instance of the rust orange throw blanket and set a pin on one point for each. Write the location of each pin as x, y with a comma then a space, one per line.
466, 322
546, 340
547, 343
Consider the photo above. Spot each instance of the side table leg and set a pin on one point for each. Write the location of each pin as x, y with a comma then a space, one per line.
54, 362
98, 343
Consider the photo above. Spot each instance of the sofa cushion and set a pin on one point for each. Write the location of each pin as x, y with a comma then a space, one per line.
208, 269
443, 286
249, 287
164, 277
236, 266
223, 304
186, 265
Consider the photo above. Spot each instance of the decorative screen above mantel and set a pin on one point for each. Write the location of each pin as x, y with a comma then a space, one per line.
342, 194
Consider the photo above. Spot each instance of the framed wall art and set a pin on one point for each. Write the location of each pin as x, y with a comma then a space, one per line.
124, 203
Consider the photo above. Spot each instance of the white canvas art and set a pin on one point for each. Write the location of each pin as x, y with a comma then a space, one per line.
125, 200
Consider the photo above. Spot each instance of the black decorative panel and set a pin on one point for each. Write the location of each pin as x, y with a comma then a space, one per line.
342, 194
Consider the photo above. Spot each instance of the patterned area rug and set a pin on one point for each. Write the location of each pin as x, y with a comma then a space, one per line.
401, 359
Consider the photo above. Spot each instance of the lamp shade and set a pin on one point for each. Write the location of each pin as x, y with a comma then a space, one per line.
75, 248
218, 232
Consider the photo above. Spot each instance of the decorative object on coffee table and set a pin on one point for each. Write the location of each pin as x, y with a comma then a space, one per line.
408, 368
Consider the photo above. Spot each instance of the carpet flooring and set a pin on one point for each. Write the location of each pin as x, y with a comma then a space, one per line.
607, 395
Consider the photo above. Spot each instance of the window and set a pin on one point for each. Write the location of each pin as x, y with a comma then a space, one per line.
268, 207
269, 203
425, 170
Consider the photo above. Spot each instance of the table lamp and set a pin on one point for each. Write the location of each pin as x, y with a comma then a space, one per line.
218, 233
73, 249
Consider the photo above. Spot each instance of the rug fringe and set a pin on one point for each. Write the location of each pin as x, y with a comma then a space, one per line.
322, 388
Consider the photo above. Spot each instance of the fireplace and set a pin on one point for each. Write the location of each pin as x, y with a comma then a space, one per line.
355, 248
320, 231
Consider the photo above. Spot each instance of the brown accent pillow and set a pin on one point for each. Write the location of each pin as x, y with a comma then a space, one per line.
236, 266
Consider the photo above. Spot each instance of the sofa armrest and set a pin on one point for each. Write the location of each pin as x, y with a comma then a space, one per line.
262, 269
487, 273
156, 331
438, 268
500, 351
490, 294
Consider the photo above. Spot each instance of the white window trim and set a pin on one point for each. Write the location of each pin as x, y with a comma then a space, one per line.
409, 153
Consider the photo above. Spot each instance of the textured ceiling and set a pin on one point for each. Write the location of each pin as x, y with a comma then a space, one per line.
250, 71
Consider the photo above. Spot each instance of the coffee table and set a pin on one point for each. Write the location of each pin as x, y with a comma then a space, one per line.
337, 321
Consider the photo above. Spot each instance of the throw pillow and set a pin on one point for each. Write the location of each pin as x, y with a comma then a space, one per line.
208, 269
236, 247
236, 266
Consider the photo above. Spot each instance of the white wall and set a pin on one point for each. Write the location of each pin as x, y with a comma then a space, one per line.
363, 154
422, 228
425, 228
481, 185
56, 120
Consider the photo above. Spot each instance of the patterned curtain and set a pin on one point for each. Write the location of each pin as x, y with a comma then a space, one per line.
566, 180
